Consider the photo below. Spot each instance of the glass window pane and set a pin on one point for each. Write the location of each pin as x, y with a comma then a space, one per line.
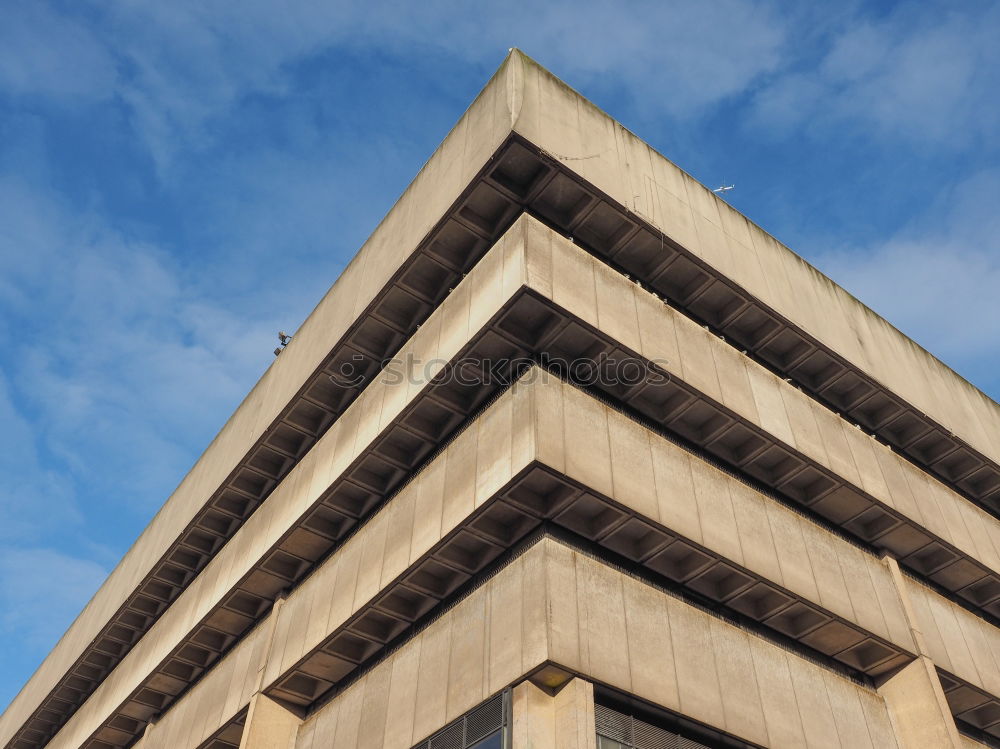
606, 743
493, 741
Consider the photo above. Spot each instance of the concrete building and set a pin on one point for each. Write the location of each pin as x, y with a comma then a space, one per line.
636, 476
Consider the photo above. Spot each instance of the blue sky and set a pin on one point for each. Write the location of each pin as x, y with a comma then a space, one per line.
180, 180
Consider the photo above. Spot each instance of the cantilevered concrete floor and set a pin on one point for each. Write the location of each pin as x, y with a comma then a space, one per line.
792, 464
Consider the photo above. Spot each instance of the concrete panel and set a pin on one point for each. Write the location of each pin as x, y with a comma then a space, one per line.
651, 655
632, 466
813, 701
678, 507
957, 641
372, 723
432, 678
601, 622
697, 367
760, 552
466, 674
731, 367
402, 698
715, 510
796, 569
744, 713
777, 694
852, 723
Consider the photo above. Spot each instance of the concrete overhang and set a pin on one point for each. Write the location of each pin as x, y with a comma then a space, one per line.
536, 293
554, 607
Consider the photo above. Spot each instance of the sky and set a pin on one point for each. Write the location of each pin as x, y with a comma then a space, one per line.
180, 180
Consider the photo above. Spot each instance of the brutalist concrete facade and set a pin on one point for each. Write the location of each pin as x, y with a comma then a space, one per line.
571, 455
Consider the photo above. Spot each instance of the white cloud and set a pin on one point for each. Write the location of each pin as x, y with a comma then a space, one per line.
36, 498
927, 75
673, 58
938, 281
43, 591
43, 52
180, 65
122, 359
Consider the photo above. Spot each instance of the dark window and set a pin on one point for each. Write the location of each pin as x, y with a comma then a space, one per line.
603, 742
493, 741
484, 727
618, 730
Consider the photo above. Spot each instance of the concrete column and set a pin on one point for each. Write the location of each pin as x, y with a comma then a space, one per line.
144, 740
269, 724
561, 718
917, 706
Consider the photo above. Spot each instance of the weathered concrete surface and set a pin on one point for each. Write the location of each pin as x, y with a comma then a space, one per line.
918, 709
587, 141
696, 501
269, 725
555, 604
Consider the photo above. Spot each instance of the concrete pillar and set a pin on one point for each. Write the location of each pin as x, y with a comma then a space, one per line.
269, 725
917, 706
916, 633
560, 718
144, 740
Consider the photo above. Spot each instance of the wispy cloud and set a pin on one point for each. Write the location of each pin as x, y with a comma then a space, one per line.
179, 66
920, 73
51, 54
937, 281
28, 504
43, 591
101, 322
